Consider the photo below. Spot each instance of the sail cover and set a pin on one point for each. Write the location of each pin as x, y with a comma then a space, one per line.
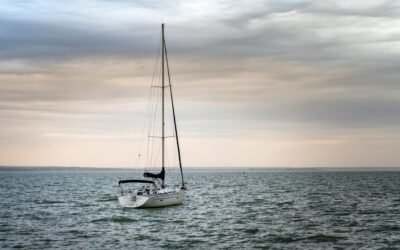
160, 175
137, 181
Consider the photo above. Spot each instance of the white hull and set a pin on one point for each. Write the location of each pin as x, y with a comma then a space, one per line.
162, 198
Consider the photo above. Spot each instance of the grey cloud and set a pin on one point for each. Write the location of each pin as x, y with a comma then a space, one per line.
347, 112
225, 36
329, 112
385, 9
38, 39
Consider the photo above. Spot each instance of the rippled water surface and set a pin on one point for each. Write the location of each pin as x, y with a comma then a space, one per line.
232, 210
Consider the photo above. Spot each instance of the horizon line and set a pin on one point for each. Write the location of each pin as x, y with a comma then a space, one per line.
212, 168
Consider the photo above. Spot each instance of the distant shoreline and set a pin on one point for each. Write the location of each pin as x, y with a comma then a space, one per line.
245, 169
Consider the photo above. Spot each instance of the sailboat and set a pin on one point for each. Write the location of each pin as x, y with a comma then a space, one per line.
154, 191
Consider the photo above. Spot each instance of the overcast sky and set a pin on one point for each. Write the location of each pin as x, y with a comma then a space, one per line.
256, 83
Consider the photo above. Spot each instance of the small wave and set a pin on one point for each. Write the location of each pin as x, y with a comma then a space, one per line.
369, 212
222, 186
385, 228
353, 224
259, 200
116, 219
342, 213
284, 203
159, 221
244, 203
50, 202
283, 239
324, 238
393, 205
107, 199
240, 222
241, 185
251, 230
81, 204
19, 246
195, 241
76, 232
79, 233
141, 237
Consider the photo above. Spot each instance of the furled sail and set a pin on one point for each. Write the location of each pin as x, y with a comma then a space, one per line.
160, 175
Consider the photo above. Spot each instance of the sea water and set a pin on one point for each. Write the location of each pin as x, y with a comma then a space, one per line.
223, 210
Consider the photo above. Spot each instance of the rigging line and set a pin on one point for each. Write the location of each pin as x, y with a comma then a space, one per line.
153, 128
148, 106
154, 105
174, 159
147, 154
150, 124
171, 118
167, 157
153, 131
173, 112
154, 116
156, 157
172, 155
149, 127
155, 75
163, 104
169, 127
157, 58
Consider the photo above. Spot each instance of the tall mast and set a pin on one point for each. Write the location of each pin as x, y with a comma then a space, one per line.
173, 113
162, 91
